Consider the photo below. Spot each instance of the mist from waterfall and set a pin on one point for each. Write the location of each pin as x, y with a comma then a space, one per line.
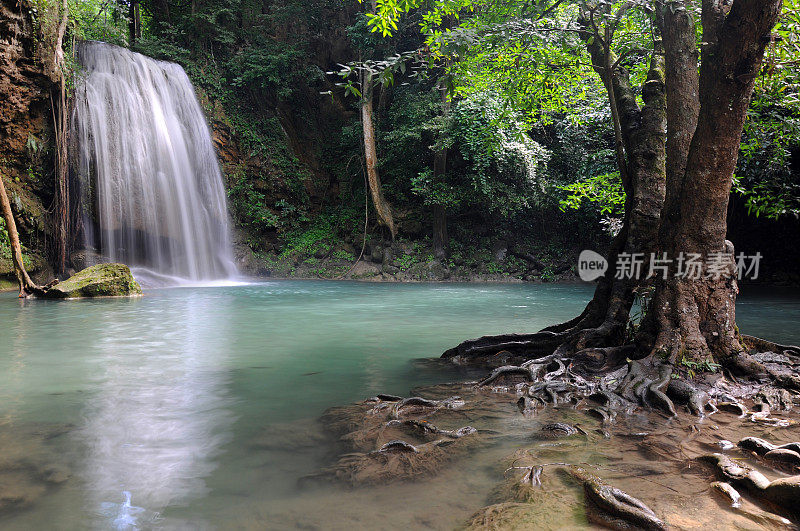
151, 188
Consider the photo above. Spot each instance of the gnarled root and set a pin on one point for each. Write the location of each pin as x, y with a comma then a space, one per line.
786, 456
645, 381
784, 493
391, 439
762, 345
732, 496
416, 406
602, 323
615, 504
427, 428
509, 375
523, 346
682, 392
396, 460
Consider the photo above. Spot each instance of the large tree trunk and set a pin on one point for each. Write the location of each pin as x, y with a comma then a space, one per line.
695, 317
677, 188
382, 207
599, 332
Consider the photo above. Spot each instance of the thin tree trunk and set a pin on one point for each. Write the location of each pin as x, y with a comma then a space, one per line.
440, 238
26, 285
382, 206
62, 186
134, 22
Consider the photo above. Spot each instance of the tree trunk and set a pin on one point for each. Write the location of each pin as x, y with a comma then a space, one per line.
382, 207
677, 191
695, 317
134, 22
598, 334
26, 285
440, 239
161, 12
60, 115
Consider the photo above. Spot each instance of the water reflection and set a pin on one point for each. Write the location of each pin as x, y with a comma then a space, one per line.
158, 417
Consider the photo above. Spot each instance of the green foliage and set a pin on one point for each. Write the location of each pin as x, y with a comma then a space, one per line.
503, 169
321, 234
766, 176
250, 205
98, 20
412, 126
5, 246
696, 367
5, 241
275, 68
604, 191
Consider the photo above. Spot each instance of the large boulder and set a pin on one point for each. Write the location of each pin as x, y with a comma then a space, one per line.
101, 280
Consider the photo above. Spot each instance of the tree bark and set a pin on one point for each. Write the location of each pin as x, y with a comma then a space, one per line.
440, 239
60, 127
382, 207
695, 318
134, 22
26, 286
680, 150
599, 332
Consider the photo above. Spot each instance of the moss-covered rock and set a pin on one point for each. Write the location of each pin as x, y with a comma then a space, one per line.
101, 280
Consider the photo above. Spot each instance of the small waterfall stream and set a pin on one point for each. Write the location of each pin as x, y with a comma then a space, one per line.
151, 187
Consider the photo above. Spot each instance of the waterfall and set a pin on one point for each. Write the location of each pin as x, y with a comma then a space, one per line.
151, 188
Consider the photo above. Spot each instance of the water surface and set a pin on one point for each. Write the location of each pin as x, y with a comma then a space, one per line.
197, 407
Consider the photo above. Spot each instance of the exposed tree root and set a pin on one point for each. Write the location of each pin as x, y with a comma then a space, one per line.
732, 496
558, 430
390, 438
762, 345
420, 407
728, 492
785, 456
784, 493
428, 428
682, 392
615, 504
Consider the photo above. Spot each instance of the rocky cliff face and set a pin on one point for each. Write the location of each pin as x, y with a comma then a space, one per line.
23, 86
24, 111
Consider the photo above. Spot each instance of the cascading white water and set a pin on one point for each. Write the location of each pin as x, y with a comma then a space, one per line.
150, 180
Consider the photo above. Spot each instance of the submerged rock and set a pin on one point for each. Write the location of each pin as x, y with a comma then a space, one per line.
101, 280
391, 438
29, 467
556, 430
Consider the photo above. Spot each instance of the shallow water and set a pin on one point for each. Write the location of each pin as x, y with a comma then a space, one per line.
198, 407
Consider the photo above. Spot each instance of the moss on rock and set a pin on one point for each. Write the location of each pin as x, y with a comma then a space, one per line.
101, 280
